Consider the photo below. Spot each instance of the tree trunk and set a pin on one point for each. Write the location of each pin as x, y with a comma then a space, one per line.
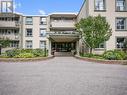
91, 50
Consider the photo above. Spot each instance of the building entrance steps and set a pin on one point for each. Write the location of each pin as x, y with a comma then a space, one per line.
57, 54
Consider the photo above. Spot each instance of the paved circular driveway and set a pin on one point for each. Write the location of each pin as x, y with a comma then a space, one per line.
62, 76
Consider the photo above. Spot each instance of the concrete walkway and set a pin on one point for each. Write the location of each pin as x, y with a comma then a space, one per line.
62, 76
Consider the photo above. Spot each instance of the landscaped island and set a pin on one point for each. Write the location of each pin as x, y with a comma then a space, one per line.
25, 53
108, 55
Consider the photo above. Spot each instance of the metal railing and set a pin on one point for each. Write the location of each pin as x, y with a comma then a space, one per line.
62, 32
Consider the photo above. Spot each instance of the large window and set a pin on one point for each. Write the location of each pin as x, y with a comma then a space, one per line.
100, 5
14, 44
121, 23
42, 32
121, 5
29, 20
43, 21
29, 44
42, 44
29, 33
120, 42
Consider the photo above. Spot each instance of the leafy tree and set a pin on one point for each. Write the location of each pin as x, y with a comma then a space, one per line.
4, 42
94, 30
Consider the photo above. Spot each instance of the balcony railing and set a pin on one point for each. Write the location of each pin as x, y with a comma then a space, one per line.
11, 37
62, 24
11, 24
71, 33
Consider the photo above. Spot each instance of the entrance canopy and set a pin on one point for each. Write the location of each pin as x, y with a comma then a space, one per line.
64, 37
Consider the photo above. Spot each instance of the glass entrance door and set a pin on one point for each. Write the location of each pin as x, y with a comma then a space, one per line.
63, 47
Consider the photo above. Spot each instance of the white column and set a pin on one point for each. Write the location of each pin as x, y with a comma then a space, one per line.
77, 47
49, 51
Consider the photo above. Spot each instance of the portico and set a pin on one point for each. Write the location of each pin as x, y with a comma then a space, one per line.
63, 43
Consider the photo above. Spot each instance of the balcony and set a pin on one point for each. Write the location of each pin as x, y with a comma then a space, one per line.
9, 24
62, 24
11, 37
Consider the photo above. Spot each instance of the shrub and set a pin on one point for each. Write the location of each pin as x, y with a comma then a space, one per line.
20, 52
26, 50
126, 57
24, 55
39, 52
12, 53
114, 55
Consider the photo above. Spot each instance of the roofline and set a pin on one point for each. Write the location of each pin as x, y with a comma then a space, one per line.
21, 14
14, 13
35, 15
63, 13
81, 7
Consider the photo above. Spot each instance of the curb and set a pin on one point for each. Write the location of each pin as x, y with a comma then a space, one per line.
25, 59
121, 62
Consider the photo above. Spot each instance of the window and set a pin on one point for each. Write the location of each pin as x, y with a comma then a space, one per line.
29, 44
101, 45
16, 32
14, 44
9, 32
57, 19
42, 44
120, 23
121, 5
99, 4
29, 32
120, 42
29, 20
43, 21
68, 19
42, 32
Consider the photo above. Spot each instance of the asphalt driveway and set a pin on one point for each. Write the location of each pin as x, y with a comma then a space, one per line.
62, 76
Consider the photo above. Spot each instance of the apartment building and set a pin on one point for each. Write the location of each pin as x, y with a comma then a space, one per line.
62, 33
11, 28
34, 32
56, 32
115, 12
